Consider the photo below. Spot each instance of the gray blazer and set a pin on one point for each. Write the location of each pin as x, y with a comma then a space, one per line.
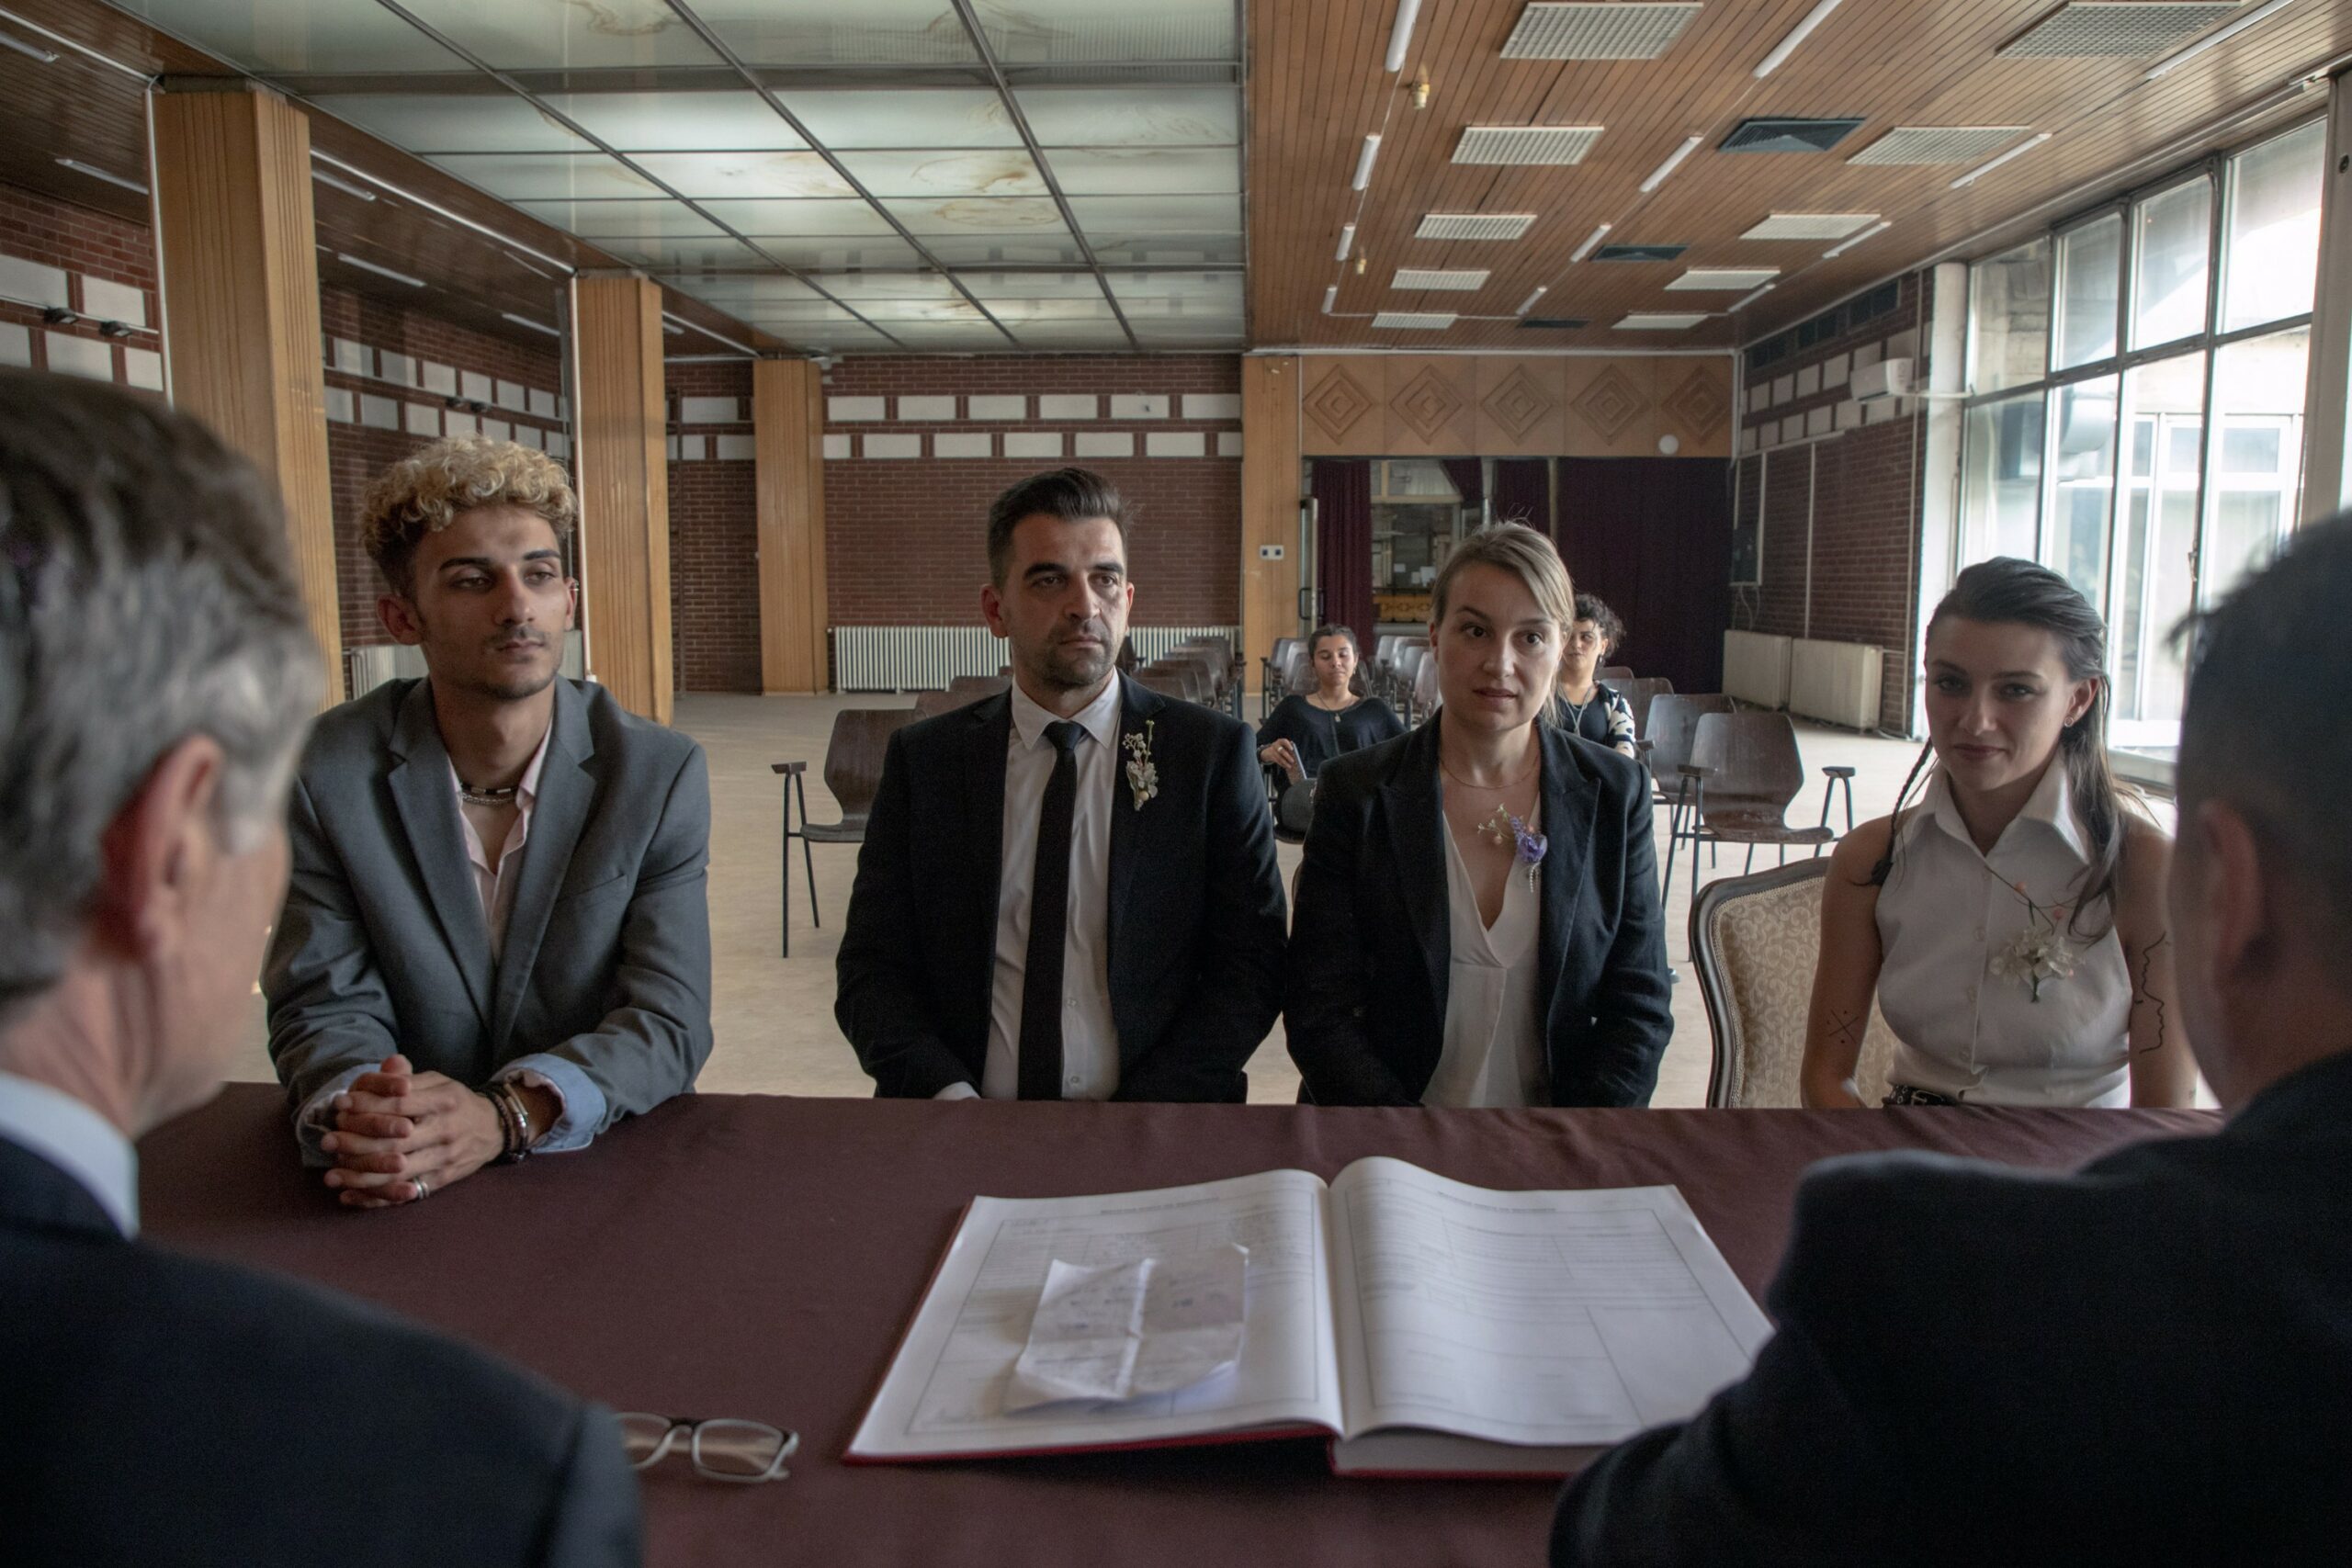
382, 946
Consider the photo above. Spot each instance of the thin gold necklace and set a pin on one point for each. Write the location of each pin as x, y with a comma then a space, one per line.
1512, 783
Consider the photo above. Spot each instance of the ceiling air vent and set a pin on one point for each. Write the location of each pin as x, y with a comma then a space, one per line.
1413, 320
1474, 225
1726, 279
1659, 321
1553, 323
1525, 143
1584, 31
1462, 281
2094, 29
1639, 252
1938, 143
1811, 225
1787, 135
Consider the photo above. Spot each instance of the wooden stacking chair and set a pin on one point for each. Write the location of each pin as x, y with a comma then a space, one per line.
1666, 746
1274, 674
1746, 769
1640, 692
1427, 699
854, 772
931, 704
977, 686
1755, 942
1615, 675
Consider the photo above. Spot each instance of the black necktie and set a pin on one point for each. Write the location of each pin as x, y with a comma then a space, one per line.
1041, 976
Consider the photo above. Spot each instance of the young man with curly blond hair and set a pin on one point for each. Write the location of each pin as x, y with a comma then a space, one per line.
496, 939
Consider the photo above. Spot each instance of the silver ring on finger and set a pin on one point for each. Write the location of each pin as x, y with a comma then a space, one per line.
423, 1191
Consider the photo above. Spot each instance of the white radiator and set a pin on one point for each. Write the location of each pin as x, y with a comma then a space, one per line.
1836, 681
925, 658
364, 669
1756, 669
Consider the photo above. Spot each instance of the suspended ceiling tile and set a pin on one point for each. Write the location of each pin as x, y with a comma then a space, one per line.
640, 219
1114, 249
786, 313
889, 312
1107, 336
1157, 215
686, 251
1011, 217
828, 253
847, 117
324, 36
944, 172
455, 123
553, 35
1145, 115
743, 289
1045, 247
1031, 285
1047, 31
840, 32
1015, 311
814, 218
889, 286
745, 174
977, 336
1220, 290
547, 176
2103, 30
1146, 171
680, 122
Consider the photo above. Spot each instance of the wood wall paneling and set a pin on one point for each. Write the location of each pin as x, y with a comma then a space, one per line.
1408, 405
787, 422
1271, 488
1342, 406
623, 476
1432, 405
1522, 405
231, 179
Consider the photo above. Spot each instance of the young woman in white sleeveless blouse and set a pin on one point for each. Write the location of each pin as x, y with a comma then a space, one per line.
2010, 922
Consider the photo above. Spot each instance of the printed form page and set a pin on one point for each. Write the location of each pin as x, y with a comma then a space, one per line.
1540, 1318
945, 1391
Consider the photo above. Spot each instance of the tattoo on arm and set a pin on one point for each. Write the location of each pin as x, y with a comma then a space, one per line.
2142, 995
1846, 1028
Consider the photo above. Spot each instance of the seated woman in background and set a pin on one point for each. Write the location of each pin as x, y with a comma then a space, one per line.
2010, 924
1307, 729
1585, 706
1477, 917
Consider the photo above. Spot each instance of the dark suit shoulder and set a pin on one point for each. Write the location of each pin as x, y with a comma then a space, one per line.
638, 740
359, 729
1362, 772
1619, 776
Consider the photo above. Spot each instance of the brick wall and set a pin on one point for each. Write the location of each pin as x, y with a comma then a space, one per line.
714, 533
1858, 490
55, 254
905, 536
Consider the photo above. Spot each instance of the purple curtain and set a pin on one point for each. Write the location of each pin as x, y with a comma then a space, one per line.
1342, 492
1652, 537
1523, 492
1466, 475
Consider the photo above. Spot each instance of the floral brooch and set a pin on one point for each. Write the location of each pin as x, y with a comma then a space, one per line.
1143, 777
2038, 952
1504, 828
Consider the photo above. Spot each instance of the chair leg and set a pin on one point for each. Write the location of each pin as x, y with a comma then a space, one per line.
1751, 861
1845, 786
783, 905
808, 860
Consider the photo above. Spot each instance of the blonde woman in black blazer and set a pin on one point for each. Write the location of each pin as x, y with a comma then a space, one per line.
1477, 918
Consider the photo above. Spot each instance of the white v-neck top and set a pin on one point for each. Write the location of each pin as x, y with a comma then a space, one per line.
1947, 911
1493, 1050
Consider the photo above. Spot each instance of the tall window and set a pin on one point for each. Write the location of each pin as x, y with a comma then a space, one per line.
2135, 406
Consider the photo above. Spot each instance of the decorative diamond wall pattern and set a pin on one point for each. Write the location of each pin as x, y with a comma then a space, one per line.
1519, 405
1699, 405
1425, 403
1338, 403
1611, 404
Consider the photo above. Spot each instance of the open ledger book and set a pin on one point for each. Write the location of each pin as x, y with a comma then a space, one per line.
1429, 1327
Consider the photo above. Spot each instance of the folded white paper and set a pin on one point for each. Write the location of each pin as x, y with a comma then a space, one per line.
1125, 1330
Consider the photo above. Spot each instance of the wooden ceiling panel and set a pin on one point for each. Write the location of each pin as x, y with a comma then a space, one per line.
1317, 85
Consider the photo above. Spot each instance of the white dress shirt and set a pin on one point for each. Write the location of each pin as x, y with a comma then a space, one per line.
1493, 1050
1947, 911
495, 886
1090, 1038
77, 1141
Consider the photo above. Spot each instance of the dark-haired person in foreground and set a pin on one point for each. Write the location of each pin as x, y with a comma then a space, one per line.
2148, 1361
156, 676
1066, 891
497, 938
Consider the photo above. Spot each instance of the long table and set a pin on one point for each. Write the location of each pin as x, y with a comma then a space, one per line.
757, 1256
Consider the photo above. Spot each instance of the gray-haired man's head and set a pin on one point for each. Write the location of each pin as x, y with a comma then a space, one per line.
153, 644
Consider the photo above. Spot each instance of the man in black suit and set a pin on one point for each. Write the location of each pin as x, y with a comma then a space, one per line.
155, 674
1066, 891
2147, 1361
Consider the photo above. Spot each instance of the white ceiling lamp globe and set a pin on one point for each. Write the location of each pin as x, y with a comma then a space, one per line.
1670, 445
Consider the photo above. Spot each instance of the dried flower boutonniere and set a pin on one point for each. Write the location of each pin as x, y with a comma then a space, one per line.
1504, 828
2038, 952
1143, 777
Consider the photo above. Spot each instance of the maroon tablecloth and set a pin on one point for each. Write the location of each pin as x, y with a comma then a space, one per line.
755, 1257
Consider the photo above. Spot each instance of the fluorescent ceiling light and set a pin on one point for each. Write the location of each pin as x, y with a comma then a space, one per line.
1347, 239
1660, 321
669, 324
1726, 279
1400, 37
1364, 162
439, 212
30, 50
1810, 225
1673, 162
1461, 280
1529, 303
1330, 299
1744, 301
79, 167
1797, 35
1589, 241
1981, 170
361, 192
1841, 249
526, 321
347, 259
2224, 35
1413, 320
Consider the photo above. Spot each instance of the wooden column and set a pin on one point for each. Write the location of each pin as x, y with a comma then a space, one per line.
624, 481
789, 436
1271, 488
240, 287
